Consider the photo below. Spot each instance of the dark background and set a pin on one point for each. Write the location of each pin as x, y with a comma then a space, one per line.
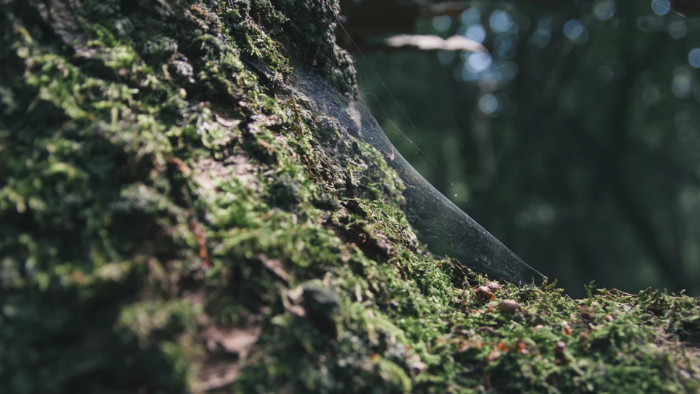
575, 140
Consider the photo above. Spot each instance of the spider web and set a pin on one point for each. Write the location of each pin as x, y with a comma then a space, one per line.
439, 223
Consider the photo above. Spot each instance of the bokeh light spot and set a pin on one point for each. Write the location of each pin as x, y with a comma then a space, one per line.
488, 104
470, 16
677, 30
576, 32
660, 7
442, 22
604, 9
479, 61
475, 33
500, 21
505, 45
694, 57
541, 38
682, 84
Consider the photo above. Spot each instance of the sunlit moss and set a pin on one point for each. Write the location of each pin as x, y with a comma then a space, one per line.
156, 190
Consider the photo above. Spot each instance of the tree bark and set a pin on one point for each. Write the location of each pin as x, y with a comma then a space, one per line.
171, 221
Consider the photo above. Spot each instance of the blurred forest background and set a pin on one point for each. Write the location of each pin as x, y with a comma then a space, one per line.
575, 140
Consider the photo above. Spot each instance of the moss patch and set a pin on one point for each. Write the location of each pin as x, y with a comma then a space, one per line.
168, 222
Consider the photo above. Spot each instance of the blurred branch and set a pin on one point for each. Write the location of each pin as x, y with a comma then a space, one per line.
363, 19
434, 43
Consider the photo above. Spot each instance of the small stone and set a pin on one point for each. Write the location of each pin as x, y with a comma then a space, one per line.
559, 347
484, 293
508, 306
560, 356
494, 286
566, 328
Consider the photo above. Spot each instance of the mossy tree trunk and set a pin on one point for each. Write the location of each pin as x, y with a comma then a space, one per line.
169, 222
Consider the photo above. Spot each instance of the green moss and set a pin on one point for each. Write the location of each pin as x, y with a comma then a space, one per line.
166, 213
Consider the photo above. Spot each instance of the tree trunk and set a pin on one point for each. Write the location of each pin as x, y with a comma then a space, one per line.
171, 220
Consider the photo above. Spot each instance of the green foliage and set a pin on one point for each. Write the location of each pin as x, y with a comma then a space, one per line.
168, 224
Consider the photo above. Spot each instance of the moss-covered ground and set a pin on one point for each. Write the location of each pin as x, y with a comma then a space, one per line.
170, 223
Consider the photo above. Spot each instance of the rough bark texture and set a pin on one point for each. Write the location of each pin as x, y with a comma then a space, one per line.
169, 223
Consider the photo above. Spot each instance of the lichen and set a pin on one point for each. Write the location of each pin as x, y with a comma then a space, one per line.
168, 222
